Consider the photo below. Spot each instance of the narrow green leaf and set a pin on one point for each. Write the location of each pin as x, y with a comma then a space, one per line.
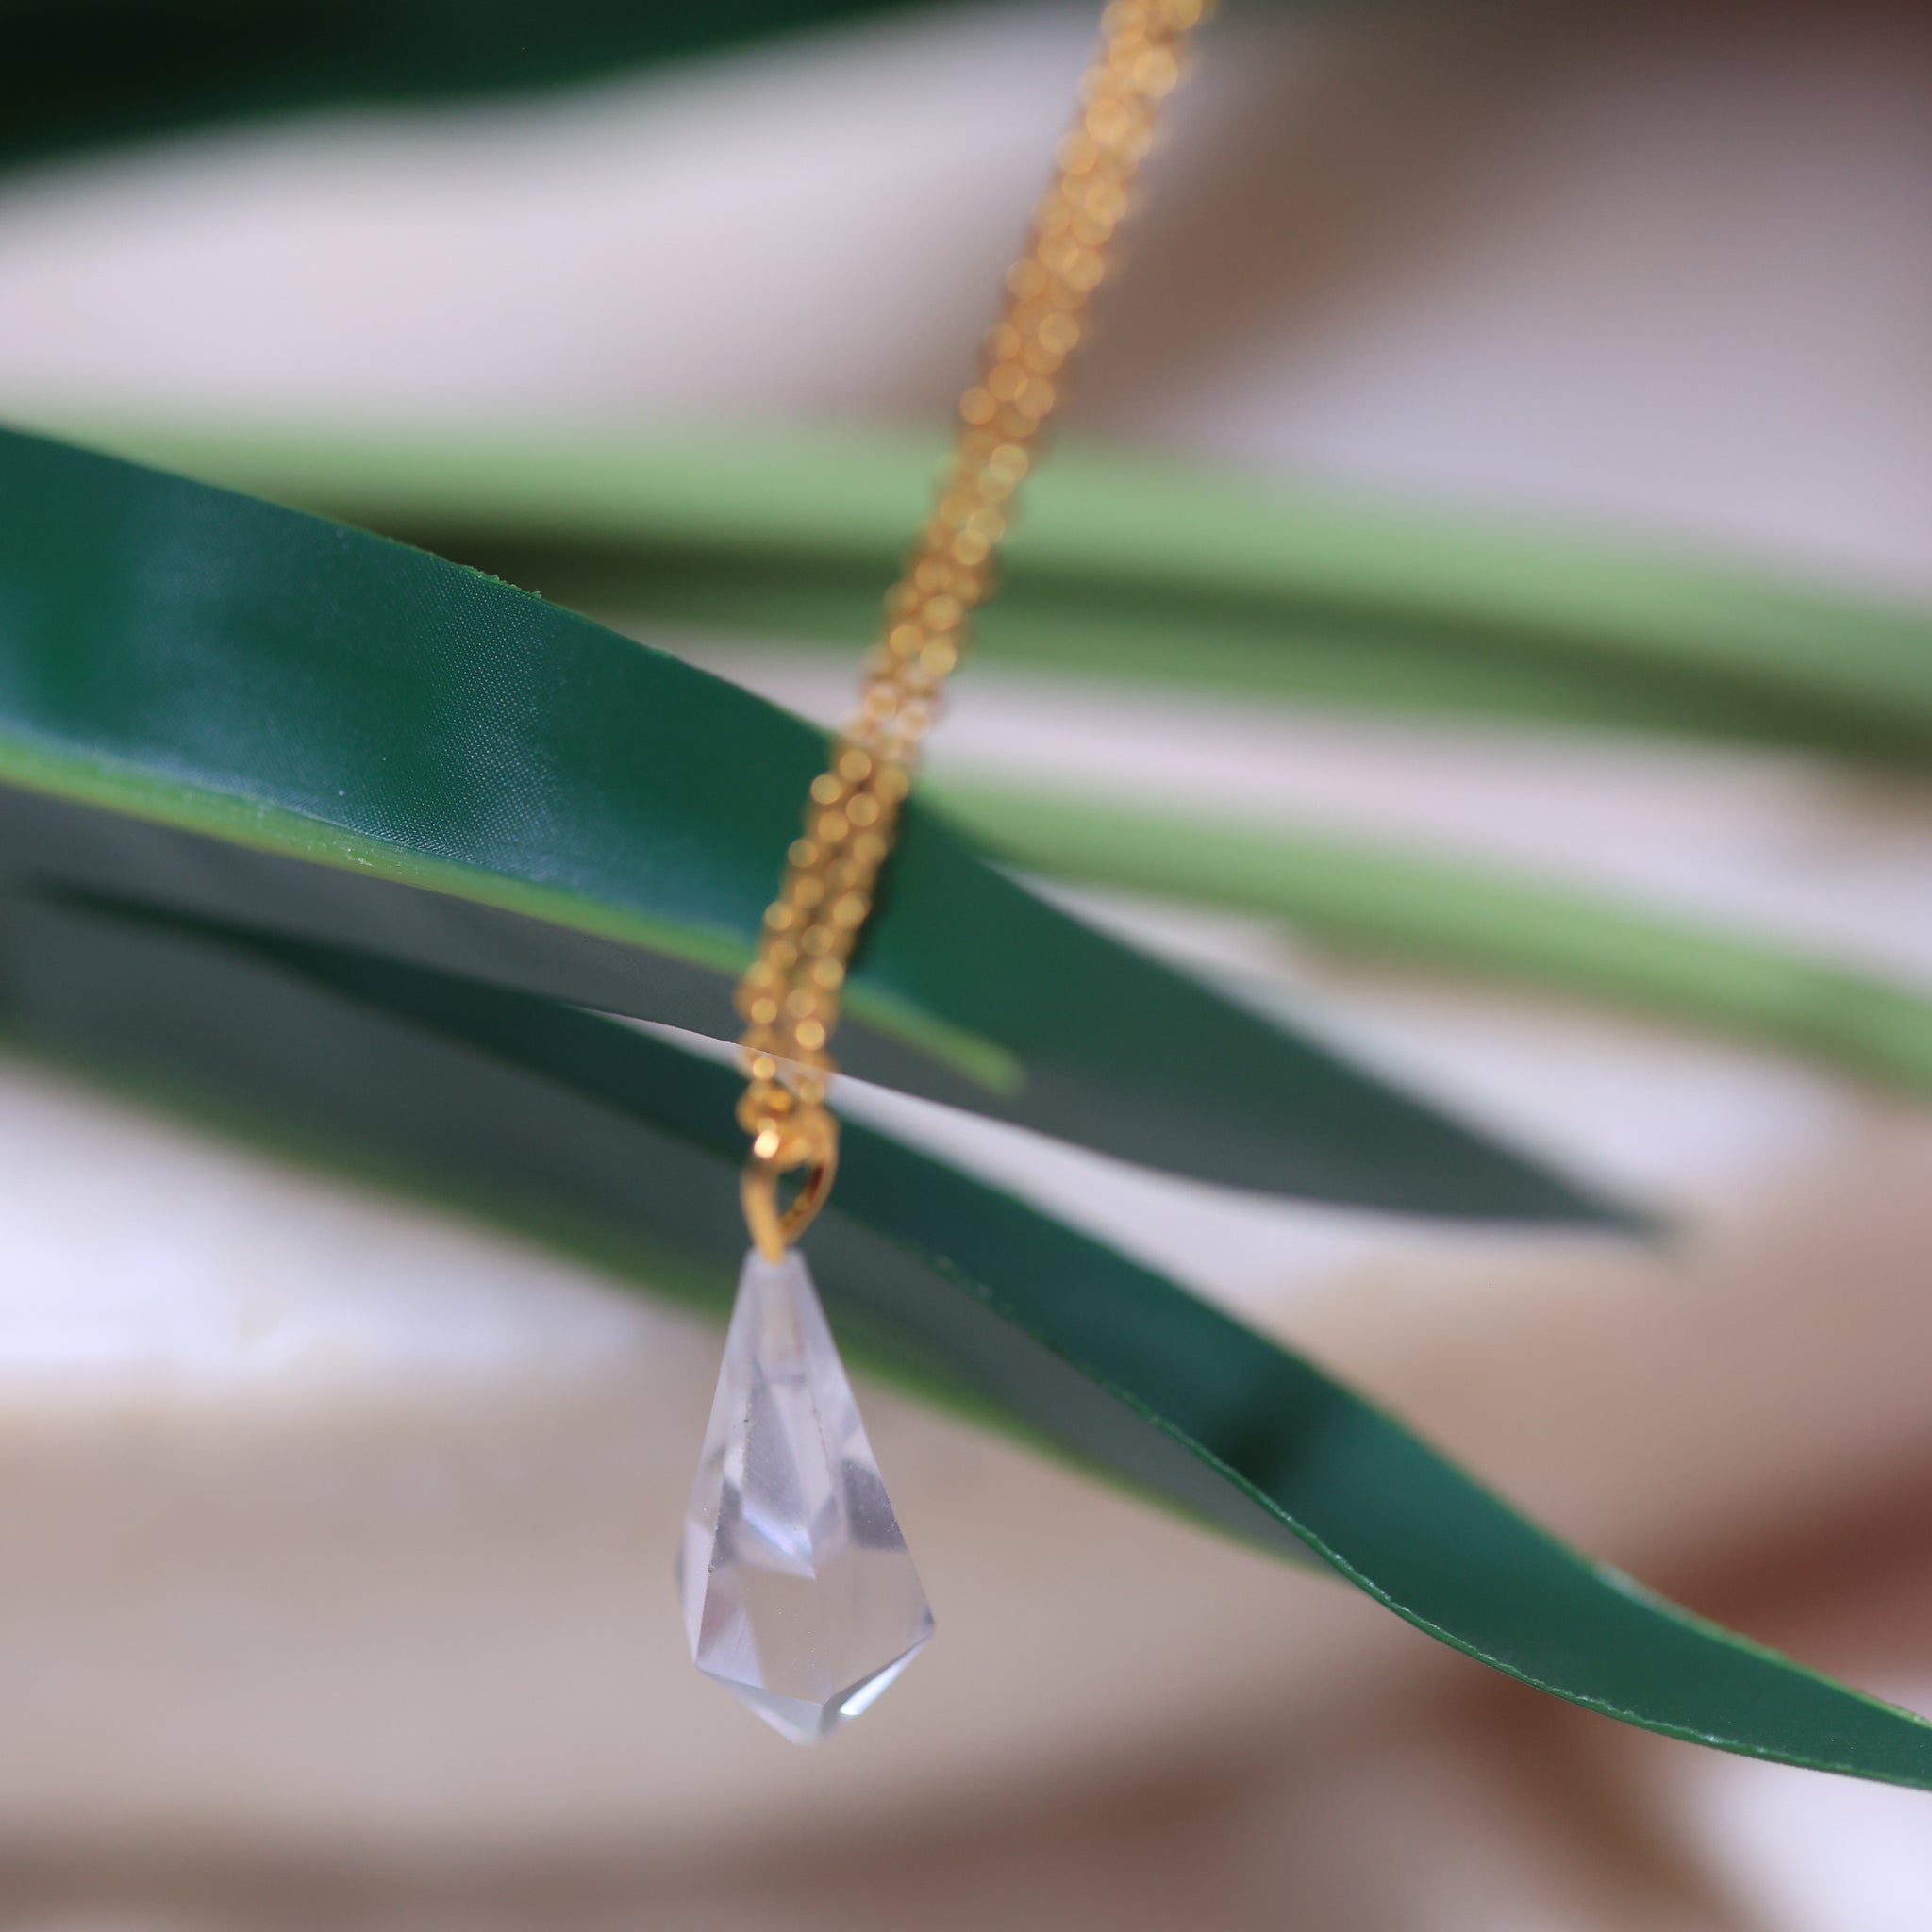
79, 73
239, 711
1134, 569
1470, 917
613, 1140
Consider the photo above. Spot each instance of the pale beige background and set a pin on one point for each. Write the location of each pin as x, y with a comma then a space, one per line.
334, 1535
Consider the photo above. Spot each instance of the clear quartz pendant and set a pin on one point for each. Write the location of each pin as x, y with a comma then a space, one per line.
798, 1591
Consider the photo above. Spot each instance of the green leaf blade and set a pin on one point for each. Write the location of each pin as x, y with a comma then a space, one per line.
1137, 570
249, 713
84, 73
940, 1275
1423, 907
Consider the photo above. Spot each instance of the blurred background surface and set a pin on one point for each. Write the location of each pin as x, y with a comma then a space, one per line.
334, 1532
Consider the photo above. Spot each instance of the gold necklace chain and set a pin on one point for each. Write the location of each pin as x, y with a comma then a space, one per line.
790, 995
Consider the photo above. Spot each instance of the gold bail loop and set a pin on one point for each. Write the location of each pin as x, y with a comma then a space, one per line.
773, 1229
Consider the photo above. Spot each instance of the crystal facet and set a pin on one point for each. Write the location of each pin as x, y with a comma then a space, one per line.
798, 1591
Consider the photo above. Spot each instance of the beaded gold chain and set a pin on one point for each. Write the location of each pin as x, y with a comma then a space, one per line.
788, 998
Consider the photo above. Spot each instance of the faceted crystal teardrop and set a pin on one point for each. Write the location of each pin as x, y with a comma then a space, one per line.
798, 1591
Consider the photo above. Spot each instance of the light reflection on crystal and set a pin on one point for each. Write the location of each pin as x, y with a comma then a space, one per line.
798, 1591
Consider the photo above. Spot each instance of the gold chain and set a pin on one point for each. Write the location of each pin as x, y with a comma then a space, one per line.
788, 997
